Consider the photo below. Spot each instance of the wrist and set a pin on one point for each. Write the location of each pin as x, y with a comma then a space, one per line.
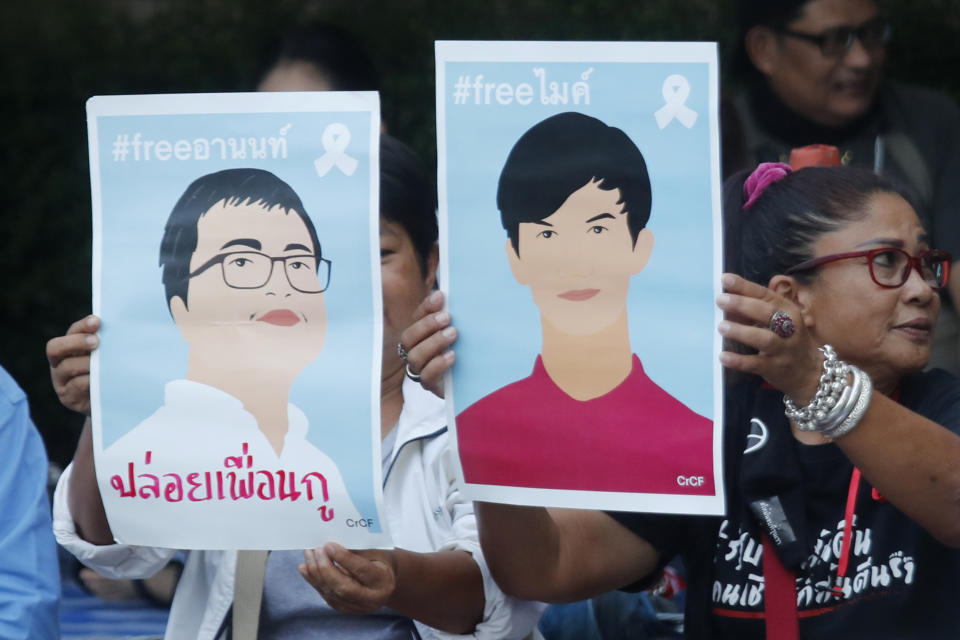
806, 389
841, 398
393, 561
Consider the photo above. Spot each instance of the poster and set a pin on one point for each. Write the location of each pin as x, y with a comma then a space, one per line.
579, 190
235, 394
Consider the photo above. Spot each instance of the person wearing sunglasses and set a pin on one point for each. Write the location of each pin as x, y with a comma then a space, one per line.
841, 454
814, 72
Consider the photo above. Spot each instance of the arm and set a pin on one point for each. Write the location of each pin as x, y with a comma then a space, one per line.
28, 561
83, 495
560, 555
115, 561
69, 358
912, 461
443, 586
442, 589
80, 523
504, 617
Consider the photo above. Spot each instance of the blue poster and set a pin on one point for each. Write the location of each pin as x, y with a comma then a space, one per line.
235, 393
580, 215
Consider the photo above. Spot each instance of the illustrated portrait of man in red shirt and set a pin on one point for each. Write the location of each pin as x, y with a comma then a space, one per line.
574, 197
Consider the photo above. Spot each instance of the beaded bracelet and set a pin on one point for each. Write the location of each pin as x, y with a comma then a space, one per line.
830, 390
840, 402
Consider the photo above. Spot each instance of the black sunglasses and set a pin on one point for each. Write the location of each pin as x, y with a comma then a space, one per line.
873, 34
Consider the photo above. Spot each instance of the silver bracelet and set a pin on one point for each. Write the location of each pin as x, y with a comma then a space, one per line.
859, 409
829, 392
840, 402
846, 404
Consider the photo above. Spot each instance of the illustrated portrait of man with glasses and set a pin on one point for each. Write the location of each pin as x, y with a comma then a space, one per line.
574, 198
244, 276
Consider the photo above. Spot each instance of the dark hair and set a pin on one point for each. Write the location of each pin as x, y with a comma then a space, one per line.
779, 230
770, 13
335, 52
233, 187
408, 196
561, 154
775, 14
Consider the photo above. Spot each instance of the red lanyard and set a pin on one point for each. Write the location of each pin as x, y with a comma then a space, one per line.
780, 591
779, 596
847, 530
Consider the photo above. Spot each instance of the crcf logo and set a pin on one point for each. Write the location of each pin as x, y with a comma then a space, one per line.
690, 481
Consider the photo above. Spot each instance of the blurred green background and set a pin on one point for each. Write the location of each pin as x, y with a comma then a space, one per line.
57, 53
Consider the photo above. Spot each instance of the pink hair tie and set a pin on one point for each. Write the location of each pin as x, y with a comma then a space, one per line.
762, 177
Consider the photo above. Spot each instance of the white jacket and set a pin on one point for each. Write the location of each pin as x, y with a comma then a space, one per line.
422, 504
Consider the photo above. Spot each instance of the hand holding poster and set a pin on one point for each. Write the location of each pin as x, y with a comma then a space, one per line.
234, 397
579, 195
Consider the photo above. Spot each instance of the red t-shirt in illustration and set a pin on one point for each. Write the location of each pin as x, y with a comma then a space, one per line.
636, 438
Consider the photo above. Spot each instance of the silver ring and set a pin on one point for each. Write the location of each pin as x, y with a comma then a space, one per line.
411, 374
782, 324
402, 352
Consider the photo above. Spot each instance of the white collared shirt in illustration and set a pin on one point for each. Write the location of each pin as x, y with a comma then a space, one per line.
199, 473
421, 498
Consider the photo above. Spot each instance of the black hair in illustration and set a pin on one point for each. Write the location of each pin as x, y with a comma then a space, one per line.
233, 187
561, 154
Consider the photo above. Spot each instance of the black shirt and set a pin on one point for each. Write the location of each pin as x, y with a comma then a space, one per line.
901, 582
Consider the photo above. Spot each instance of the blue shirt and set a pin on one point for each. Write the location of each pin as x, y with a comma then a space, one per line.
29, 576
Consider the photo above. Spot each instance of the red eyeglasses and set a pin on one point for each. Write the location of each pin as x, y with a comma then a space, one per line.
890, 268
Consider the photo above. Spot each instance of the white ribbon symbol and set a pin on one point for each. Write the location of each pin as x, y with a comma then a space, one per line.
676, 90
336, 139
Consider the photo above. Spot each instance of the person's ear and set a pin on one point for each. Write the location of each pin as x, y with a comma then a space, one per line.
642, 249
433, 259
799, 294
762, 45
516, 267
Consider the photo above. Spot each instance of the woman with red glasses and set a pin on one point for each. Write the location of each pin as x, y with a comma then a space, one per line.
842, 456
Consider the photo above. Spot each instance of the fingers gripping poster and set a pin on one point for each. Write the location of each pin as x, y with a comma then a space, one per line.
235, 390
580, 204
